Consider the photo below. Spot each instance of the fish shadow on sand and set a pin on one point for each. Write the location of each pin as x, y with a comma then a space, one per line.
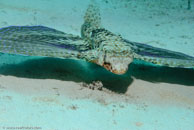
80, 71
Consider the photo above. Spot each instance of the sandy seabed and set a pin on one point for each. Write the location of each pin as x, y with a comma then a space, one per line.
48, 93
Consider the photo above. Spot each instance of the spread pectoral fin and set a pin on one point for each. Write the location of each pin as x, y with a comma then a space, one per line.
161, 56
41, 41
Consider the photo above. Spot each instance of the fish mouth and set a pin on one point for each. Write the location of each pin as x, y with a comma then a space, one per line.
109, 67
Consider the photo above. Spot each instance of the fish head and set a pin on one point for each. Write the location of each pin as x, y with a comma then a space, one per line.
115, 61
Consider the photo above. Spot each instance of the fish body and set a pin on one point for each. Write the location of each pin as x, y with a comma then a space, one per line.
96, 44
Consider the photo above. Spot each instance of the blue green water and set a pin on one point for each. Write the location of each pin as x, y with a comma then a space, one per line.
59, 112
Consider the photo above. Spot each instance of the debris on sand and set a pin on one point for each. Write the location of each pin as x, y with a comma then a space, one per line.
95, 85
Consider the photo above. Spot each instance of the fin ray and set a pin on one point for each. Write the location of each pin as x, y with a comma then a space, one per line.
161, 56
40, 41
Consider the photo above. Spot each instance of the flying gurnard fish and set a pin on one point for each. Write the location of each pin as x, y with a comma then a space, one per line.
96, 45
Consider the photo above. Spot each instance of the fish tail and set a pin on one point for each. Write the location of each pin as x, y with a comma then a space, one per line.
92, 20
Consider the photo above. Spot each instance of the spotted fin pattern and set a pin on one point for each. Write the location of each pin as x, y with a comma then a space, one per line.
96, 45
161, 56
40, 41
92, 21
111, 51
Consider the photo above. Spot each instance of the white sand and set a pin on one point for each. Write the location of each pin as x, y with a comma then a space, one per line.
149, 99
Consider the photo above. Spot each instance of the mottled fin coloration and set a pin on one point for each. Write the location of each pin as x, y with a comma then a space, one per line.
161, 56
92, 15
40, 41
111, 51
92, 21
96, 45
